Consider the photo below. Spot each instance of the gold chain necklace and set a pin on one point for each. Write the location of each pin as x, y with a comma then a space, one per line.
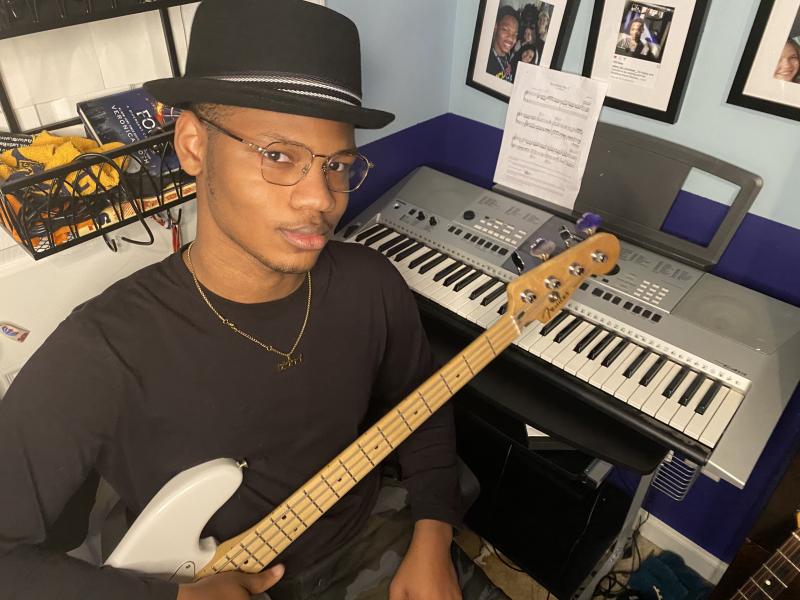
291, 359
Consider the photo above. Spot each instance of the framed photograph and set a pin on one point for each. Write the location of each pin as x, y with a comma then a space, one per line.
645, 50
510, 31
768, 78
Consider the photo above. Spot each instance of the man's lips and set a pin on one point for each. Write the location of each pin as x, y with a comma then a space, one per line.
306, 238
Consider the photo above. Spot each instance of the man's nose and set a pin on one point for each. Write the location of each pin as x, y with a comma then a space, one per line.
312, 191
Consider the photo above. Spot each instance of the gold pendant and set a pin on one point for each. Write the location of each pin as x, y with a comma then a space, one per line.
290, 362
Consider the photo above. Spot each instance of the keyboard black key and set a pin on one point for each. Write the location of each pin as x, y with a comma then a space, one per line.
446, 271
587, 339
502, 310
598, 349
706, 401
377, 237
566, 331
691, 390
399, 248
554, 322
466, 281
421, 259
457, 275
365, 234
501, 289
676, 381
653, 371
480, 291
395, 240
614, 354
408, 252
431, 264
351, 229
634, 366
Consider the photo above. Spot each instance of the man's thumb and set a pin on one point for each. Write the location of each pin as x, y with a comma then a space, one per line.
261, 582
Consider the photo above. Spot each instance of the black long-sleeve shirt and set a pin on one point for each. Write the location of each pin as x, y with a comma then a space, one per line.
143, 382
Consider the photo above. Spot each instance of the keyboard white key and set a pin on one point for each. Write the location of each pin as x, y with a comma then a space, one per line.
721, 418
591, 366
559, 354
685, 413
600, 378
671, 405
699, 422
656, 397
464, 299
487, 318
630, 385
545, 341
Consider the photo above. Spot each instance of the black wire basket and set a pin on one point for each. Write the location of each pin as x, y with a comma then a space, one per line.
59, 208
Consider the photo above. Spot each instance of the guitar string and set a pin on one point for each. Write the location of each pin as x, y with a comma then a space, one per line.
753, 583
257, 534
292, 507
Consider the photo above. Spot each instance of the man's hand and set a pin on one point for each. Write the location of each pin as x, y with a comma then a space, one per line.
427, 571
231, 586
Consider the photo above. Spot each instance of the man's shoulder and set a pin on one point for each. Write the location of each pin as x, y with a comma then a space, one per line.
362, 263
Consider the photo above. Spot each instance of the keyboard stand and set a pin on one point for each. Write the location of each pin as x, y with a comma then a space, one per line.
617, 550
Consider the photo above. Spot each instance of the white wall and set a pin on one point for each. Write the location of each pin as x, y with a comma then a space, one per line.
764, 144
407, 52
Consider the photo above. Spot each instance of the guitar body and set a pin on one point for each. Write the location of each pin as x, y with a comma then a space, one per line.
165, 539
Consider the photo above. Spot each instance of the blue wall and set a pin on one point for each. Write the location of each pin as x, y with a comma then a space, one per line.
716, 516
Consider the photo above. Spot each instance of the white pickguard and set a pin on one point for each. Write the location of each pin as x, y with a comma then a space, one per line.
165, 539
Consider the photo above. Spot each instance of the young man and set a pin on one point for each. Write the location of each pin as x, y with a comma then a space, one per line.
259, 341
504, 40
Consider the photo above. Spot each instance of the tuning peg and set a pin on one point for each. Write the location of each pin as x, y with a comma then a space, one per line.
588, 224
542, 249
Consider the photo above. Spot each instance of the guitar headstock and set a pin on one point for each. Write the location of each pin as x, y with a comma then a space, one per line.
541, 292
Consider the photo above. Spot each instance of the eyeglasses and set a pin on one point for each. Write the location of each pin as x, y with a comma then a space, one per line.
286, 163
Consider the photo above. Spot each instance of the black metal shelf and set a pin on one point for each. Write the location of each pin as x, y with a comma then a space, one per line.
34, 16
49, 212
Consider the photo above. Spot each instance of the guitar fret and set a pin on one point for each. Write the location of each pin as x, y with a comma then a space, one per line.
786, 558
310, 499
365, 454
466, 362
330, 486
263, 539
778, 579
348, 471
251, 555
444, 381
760, 588
794, 533
291, 539
385, 438
490, 344
742, 594
425, 402
294, 512
400, 412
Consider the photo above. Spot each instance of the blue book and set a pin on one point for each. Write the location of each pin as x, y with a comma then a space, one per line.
128, 117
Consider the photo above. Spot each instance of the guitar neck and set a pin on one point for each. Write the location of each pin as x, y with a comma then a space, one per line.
776, 575
254, 549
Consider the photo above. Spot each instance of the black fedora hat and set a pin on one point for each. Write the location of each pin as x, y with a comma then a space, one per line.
287, 56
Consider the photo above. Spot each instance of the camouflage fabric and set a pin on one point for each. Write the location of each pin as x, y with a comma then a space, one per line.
365, 566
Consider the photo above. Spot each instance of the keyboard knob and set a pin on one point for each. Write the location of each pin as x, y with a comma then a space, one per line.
420, 216
468, 215
433, 221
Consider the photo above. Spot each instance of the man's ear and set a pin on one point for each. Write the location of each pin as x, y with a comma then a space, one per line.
191, 143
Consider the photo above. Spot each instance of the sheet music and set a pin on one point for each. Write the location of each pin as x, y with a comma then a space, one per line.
549, 128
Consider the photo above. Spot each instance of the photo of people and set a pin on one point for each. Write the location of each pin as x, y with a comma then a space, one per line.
519, 35
788, 66
644, 30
